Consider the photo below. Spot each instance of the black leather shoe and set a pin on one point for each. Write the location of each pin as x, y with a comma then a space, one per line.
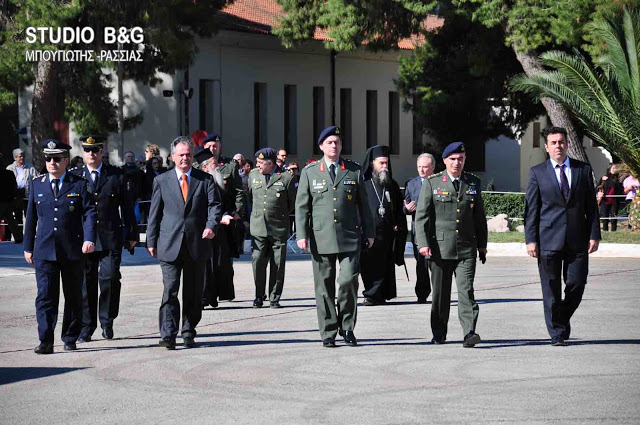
189, 342
84, 338
107, 333
350, 338
257, 303
44, 348
275, 304
422, 300
471, 339
169, 344
370, 302
329, 342
264, 297
438, 340
70, 346
558, 342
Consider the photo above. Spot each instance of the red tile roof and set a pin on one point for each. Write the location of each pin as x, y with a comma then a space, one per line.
259, 16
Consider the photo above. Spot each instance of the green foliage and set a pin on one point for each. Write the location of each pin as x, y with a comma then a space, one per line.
456, 83
377, 24
511, 204
605, 97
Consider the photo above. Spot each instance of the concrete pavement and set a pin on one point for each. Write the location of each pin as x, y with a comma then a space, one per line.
268, 366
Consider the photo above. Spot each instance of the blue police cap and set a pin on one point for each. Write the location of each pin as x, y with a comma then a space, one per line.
92, 141
455, 147
53, 146
329, 131
267, 153
213, 137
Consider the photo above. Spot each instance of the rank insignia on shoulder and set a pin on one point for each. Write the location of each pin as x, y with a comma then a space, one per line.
349, 182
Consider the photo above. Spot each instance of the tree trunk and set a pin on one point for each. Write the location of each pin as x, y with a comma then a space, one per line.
557, 113
47, 107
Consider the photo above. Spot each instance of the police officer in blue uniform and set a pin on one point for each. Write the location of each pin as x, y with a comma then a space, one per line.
113, 195
59, 228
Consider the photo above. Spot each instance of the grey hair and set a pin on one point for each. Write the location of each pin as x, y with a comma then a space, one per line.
182, 139
428, 155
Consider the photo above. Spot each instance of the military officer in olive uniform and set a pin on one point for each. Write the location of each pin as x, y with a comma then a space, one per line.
451, 229
332, 217
225, 244
59, 228
273, 195
114, 198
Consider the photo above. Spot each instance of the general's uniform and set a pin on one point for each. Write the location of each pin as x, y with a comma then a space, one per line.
334, 215
55, 230
272, 203
453, 224
113, 195
219, 277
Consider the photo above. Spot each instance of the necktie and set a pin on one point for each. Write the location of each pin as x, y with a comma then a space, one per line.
184, 186
267, 177
564, 183
94, 179
55, 187
456, 184
332, 172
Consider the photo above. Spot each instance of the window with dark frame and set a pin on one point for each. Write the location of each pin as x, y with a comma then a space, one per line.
394, 123
418, 136
318, 116
259, 116
290, 119
345, 121
372, 118
536, 134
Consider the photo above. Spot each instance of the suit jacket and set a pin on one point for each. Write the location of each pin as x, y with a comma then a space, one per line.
31, 173
56, 228
333, 215
112, 196
171, 219
553, 223
273, 202
452, 223
412, 193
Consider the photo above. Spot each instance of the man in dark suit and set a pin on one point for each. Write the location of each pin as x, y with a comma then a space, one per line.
112, 195
59, 228
426, 164
185, 211
561, 230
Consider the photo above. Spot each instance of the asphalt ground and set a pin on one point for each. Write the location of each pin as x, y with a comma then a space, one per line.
268, 366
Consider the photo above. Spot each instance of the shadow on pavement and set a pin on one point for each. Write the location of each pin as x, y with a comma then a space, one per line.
9, 375
506, 343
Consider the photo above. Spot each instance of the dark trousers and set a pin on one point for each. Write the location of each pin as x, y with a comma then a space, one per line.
554, 266
102, 269
192, 277
218, 279
377, 270
48, 280
442, 272
324, 277
12, 228
609, 210
272, 251
423, 284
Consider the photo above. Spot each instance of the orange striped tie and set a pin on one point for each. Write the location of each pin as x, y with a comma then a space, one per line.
185, 187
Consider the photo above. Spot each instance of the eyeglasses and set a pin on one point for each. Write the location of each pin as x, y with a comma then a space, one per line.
54, 158
94, 150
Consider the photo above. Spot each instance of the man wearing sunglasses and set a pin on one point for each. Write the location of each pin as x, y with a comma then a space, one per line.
116, 226
59, 228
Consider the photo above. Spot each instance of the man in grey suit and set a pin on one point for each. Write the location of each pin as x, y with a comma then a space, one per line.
185, 210
426, 164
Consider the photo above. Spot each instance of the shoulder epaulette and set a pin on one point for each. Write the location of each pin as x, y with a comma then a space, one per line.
352, 161
435, 175
74, 168
39, 175
313, 164
472, 175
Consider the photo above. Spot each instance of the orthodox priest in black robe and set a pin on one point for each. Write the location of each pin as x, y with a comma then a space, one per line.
377, 262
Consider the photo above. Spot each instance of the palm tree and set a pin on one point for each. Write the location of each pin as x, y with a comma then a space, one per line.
604, 95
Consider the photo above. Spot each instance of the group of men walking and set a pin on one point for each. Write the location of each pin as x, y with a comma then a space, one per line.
350, 218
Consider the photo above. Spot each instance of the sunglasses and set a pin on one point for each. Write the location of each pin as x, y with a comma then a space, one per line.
54, 158
94, 150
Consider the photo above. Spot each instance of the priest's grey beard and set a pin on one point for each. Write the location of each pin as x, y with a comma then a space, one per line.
217, 177
382, 178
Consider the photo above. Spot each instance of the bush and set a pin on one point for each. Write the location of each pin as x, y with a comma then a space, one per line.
510, 204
